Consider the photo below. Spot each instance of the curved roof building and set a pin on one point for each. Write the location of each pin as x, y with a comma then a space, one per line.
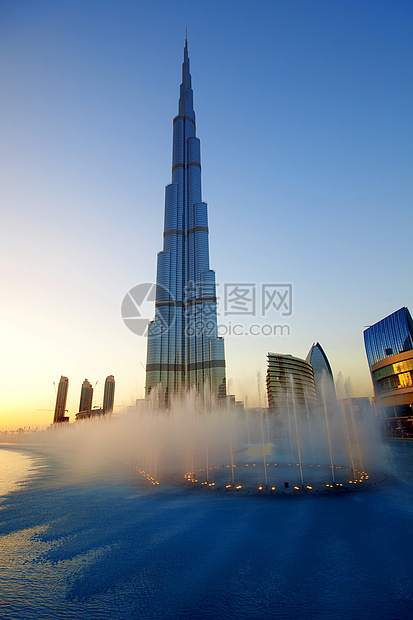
289, 380
323, 375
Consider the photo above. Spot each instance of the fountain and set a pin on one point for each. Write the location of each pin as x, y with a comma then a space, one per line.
222, 449
301, 449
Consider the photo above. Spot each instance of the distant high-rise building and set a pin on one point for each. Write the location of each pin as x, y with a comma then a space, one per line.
389, 350
290, 381
323, 376
184, 350
109, 394
86, 397
61, 398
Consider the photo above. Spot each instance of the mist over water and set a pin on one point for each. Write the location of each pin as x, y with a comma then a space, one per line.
173, 446
89, 536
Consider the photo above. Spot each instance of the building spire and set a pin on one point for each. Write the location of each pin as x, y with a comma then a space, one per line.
186, 94
180, 357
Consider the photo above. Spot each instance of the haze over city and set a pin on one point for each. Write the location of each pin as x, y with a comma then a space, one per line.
303, 111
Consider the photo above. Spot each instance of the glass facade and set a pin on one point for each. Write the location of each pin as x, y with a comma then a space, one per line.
290, 380
184, 350
109, 394
323, 376
393, 377
390, 336
86, 396
61, 398
389, 349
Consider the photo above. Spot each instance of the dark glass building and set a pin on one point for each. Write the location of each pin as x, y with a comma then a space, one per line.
61, 399
323, 376
109, 394
184, 350
389, 349
86, 396
390, 336
290, 380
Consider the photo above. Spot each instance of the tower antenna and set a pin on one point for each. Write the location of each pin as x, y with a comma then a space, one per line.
186, 35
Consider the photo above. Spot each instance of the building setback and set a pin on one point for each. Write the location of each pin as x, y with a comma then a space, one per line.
184, 350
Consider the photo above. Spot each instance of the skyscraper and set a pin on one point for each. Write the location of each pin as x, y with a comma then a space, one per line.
61, 398
109, 394
184, 350
323, 376
86, 396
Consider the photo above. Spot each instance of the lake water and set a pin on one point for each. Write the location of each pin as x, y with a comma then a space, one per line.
107, 547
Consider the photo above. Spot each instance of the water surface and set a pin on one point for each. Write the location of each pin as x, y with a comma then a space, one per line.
106, 546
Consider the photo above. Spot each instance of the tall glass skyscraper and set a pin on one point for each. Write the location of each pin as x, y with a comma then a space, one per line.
184, 350
109, 394
86, 396
61, 398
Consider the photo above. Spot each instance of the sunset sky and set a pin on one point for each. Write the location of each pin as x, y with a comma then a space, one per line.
304, 114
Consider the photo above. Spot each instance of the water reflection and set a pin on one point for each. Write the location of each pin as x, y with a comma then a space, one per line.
110, 548
15, 468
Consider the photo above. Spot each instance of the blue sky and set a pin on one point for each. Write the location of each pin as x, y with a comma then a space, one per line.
304, 115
